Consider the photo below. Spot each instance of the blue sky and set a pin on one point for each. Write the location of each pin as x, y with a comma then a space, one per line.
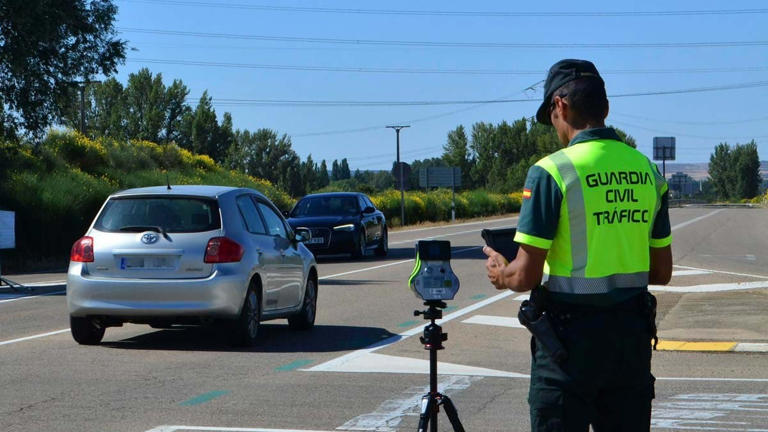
699, 120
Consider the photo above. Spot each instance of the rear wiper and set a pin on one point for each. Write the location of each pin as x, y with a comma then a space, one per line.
140, 228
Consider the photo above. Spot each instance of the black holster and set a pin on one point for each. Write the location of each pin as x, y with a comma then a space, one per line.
650, 312
533, 316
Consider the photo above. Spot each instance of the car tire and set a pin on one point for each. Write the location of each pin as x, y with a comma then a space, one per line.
359, 251
305, 319
245, 328
85, 331
383, 248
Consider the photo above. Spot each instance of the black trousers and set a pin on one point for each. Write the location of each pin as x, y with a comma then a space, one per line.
606, 380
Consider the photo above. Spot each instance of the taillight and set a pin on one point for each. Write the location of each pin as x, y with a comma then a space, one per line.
82, 250
222, 250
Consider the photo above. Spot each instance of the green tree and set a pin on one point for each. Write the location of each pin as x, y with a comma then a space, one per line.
456, 154
720, 172
225, 137
108, 117
746, 170
344, 170
205, 129
145, 106
46, 46
264, 155
335, 170
176, 109
310, 175
627, 138
322, 175
482, 145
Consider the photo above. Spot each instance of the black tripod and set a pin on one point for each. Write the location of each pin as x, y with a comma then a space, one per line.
433, 341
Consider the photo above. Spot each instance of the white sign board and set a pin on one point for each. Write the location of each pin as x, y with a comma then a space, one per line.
7, 230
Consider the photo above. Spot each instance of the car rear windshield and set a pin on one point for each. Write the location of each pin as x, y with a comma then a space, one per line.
162, 214
326, 206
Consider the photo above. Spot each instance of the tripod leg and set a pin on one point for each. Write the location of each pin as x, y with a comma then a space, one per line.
428, 404
453, 415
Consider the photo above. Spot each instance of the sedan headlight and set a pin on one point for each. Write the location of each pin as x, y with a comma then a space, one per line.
347, 227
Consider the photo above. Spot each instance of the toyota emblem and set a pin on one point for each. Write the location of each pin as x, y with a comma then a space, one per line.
149, 238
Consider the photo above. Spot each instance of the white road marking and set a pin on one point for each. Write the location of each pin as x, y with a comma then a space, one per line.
46, 283
499, 321
751, 347
8, 342
694, 220
18, 297
747, 380
455, 225
664, 413
224, 429
380, 363
390, 413
443, 235
734, 412
746, 397
690, 272
389, 264
339, 362
724, 272
365, 269
710, 287
523, 297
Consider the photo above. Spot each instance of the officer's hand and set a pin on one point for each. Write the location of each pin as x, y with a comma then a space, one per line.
495, 267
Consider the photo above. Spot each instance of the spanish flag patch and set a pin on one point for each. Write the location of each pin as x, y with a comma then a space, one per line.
526, 193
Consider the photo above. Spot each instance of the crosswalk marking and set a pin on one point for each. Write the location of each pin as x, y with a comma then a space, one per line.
498, 321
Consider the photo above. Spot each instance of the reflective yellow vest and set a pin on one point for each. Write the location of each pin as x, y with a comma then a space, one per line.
611, 194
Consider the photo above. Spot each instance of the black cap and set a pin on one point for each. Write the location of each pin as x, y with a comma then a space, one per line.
562, 73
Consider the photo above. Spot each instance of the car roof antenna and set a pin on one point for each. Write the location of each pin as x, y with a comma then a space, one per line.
167, 180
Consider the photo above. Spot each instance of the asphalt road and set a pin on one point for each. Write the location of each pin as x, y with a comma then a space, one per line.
362, 366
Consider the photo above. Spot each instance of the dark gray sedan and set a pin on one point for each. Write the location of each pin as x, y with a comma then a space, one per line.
190, 254
341, 222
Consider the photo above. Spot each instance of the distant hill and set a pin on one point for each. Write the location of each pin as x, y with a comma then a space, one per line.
699, 170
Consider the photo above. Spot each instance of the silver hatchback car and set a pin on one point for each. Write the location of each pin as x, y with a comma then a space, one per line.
190, 254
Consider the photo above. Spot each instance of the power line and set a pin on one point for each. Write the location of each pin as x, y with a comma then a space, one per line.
337, 41
360, 103
350, 103
693, 123
418, 120
670, 133
433, 71
448, 13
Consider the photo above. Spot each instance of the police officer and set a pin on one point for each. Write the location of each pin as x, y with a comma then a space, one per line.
594, 232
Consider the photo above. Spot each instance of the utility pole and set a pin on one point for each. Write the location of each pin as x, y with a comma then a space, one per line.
81, 87
400, 176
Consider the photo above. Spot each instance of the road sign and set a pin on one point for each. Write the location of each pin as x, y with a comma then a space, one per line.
663, 148
406, 174
7, 230
440, 177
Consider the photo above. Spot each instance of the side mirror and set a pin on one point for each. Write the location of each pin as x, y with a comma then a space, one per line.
302, 235
368, 210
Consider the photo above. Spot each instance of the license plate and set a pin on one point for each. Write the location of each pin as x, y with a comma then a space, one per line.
148, 263
317, 240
